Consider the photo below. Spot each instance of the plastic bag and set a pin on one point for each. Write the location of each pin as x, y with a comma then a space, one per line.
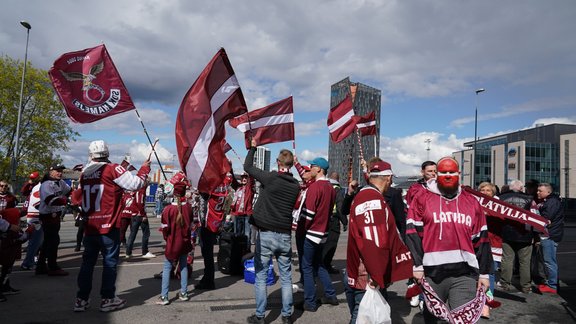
373, 308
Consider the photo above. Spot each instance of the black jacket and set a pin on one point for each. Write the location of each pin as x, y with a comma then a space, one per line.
515, 231
551, 208
277, 197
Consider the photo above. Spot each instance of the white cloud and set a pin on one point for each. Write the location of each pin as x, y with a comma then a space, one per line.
406, 154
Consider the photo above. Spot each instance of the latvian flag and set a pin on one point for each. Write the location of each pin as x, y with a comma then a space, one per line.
271, 124
366, 124
340, 122
214, 98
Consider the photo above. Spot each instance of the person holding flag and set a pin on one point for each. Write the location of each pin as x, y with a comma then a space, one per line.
102, 184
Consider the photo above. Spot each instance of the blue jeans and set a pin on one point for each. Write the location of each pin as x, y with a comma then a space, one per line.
495, 266
312, 264
159, 207
137, 222
550, 263
268, 245
354, 297
183, 274
241, 226
33, 246
109, 246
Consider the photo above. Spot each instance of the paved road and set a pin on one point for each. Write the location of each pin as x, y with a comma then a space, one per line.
49, 299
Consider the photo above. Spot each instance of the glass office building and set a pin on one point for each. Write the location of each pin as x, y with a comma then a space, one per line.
543, 153
344, 157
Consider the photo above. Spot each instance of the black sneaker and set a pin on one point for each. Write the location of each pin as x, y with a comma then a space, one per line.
286, 320
6, 289
309, 308
206, 286
253, 319
330, 300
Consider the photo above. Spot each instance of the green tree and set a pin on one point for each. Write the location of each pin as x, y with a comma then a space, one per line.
44, 125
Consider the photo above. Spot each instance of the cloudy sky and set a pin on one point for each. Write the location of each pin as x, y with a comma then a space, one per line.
427, 58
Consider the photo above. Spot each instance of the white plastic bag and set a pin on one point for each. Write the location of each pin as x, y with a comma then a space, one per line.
373, 308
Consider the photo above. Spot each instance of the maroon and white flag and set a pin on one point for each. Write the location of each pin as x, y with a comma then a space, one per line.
214, 98
271, 124
501, 209
340, 122
89, 86
366, 125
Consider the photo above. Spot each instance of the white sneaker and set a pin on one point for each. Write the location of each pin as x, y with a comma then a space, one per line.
128, 256
148, 255
414, 301
110, 304
297, 287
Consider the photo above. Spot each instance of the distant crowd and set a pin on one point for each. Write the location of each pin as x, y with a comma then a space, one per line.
436, 238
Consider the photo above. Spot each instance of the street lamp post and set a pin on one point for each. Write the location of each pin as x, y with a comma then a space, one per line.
473, 184
26, 25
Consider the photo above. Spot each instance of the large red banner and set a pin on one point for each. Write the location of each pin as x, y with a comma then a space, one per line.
214, 98
89, 85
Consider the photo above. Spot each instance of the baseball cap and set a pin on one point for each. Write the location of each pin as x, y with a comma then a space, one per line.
321, 162
34, 175
381, 168
58, 167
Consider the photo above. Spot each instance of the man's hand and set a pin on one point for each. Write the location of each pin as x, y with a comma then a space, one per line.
352, 186
253, 142
418, 275
372, 284
483, 282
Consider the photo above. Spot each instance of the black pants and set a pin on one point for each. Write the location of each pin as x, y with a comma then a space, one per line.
331, 242
49, 250
80, 233
207, 241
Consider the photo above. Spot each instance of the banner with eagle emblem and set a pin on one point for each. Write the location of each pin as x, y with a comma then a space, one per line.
89, 86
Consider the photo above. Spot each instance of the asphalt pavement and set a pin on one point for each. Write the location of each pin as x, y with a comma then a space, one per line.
46, 299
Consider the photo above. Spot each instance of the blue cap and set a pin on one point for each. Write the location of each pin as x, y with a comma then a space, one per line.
321, 162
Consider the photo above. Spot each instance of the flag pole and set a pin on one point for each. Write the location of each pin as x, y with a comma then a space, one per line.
150, 141
238, 156
359, 144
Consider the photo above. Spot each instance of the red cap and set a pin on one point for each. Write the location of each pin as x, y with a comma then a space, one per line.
34, 175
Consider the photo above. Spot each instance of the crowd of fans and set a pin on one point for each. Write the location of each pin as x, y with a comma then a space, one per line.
437, 239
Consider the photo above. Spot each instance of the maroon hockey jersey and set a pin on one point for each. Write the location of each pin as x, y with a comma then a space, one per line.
374, 242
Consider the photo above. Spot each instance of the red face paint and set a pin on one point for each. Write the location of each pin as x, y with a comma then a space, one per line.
448, 176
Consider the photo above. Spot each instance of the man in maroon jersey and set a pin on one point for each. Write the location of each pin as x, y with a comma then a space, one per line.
139, 220
376, 255
317, 210
447, 234
102, 184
